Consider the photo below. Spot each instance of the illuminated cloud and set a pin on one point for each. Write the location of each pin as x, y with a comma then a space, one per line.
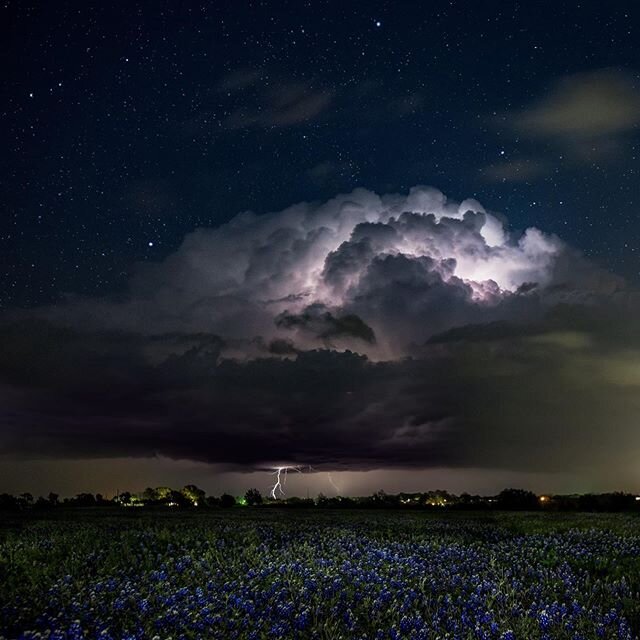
365, 332
406, 266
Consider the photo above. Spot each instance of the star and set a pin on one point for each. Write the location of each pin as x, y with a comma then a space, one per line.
378, 23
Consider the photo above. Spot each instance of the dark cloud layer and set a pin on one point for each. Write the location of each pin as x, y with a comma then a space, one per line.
366, 332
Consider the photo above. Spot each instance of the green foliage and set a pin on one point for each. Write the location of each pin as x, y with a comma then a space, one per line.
194, 495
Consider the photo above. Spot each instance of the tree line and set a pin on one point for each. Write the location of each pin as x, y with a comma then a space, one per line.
192, 497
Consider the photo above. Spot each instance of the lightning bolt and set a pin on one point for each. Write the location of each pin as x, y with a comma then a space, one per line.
333, 484
280, 474
278, 484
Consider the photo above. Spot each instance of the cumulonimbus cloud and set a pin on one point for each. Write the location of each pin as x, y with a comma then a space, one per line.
406, 266
366, 331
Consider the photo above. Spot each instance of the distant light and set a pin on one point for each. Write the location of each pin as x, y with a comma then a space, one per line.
638, 498
378, 23
151, 244
544, 498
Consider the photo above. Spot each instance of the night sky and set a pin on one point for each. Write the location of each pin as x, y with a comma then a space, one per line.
357, 321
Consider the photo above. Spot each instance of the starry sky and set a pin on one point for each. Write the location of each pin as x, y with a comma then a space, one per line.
134, 136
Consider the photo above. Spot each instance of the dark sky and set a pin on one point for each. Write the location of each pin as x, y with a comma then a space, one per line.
357, 335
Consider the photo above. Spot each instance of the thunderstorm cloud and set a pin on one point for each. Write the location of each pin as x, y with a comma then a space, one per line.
363, 332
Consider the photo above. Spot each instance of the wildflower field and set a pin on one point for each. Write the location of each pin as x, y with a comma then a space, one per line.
268, 573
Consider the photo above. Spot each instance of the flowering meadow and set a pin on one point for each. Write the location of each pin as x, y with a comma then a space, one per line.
265, 573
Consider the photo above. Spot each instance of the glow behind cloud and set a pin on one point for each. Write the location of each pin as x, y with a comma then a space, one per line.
436, 262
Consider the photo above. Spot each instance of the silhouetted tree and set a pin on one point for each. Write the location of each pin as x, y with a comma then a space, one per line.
123, 498
26, 499
253, 497
84, 500
53, 499
383, 499
8, 502
42, 503
616, 501
227, 501
322, 500
518, 499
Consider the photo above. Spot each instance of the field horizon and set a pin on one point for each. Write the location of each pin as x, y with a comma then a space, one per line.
328, 574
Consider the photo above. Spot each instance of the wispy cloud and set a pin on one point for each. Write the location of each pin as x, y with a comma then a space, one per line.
521, 170
238, 80
584, 106
271, 102
585, 118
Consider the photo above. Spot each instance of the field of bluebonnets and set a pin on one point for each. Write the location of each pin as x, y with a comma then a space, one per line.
260, 574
